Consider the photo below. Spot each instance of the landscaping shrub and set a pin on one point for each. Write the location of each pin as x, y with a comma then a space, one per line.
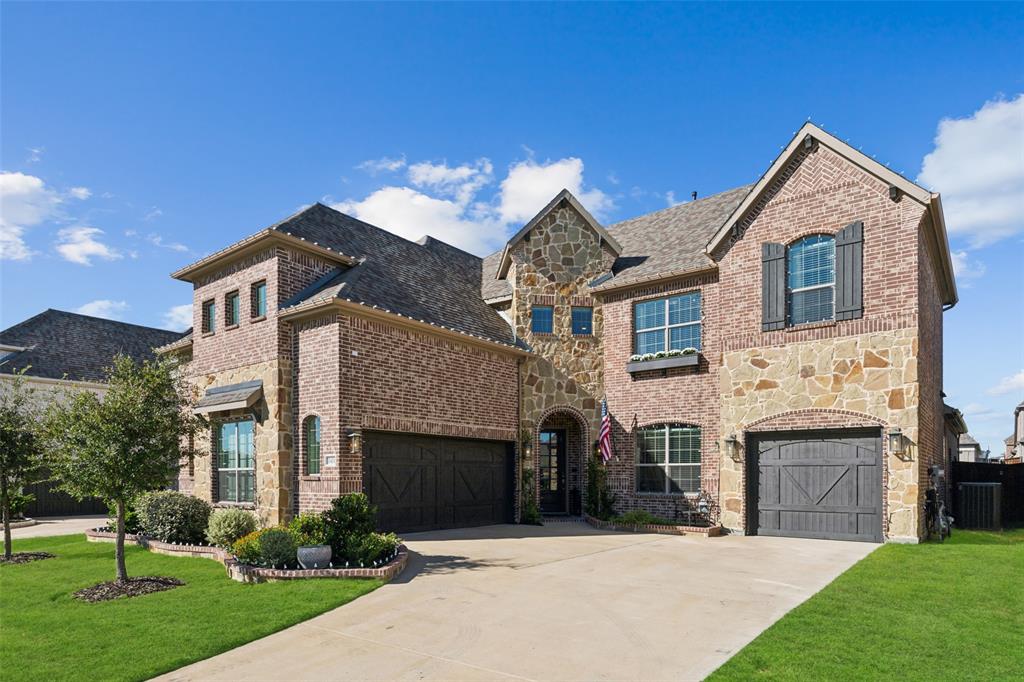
18, 502
247, 549
131, 518
170, 516
277, 547
600, 498
638, 517
309, 529
376, 546
228, 525
348, 521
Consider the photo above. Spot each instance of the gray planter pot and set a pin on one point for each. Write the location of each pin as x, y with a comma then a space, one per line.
663, 363
315, 556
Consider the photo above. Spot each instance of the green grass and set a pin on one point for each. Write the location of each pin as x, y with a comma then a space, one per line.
46, 634
952, 611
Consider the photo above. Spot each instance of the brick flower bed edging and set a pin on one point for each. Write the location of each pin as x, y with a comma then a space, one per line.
253, 574
24, 523
706, 531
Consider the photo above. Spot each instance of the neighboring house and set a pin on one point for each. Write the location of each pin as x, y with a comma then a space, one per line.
954, 428
66, 350
970, 450
334, 357
1014, 453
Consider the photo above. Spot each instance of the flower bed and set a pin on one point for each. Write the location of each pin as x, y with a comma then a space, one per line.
255, 574
660, 529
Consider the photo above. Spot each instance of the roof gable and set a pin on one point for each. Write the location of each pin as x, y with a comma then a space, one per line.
809, 134
567, 196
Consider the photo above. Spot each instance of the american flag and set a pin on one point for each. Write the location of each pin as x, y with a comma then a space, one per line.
604, 439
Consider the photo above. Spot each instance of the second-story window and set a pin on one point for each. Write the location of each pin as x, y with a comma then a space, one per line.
811, 279
542, 319
582, 321
258, 296
665, 324
209, 317
232, 304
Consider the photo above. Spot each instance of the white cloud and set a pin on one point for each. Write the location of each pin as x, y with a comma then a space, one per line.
80, 192
35, 154
1009, 384
670, 199
179, 317
978, 166
112, 310
382, 165
153, 214
80, 243
979, 412
450, 202
157, 240
531, 185
25, 201
966, 268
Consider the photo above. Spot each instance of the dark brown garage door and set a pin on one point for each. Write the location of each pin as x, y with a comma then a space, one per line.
423, 483
825, 484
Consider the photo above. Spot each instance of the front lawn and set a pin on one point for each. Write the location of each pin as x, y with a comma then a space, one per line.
952, 611
47, 634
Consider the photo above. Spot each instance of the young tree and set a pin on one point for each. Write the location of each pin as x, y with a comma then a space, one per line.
20, 462
122, 444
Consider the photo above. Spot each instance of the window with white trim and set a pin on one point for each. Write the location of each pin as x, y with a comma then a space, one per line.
665, 324
236, 462
668, 459
811, 279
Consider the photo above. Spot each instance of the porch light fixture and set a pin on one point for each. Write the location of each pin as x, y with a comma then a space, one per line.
355, 439
897, 444
732, 447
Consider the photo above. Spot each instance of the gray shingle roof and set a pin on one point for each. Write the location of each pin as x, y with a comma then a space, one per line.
430, 281
68, 345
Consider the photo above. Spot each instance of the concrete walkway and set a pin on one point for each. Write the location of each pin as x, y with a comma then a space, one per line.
561, 602
58, 526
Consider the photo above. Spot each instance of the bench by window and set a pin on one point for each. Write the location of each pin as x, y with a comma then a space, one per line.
236, 462
542, 319
665, 324
668, 459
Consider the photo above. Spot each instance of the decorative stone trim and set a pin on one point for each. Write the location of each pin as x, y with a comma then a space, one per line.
24, 523
705, 531
252, 574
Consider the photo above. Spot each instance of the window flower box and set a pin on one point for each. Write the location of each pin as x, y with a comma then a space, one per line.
688, 357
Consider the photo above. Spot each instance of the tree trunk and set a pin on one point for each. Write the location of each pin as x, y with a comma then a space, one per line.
122, 572
5, 502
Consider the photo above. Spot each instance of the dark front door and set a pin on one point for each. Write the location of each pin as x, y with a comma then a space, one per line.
424, 483
552, 471
824, 484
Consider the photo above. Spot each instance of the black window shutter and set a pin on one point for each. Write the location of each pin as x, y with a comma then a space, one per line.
850, 272
773, 286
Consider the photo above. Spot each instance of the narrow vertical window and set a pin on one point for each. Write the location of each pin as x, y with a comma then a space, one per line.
231, 309
236, 462
542, 319
582, 321
312, 436
209, 317
258, 295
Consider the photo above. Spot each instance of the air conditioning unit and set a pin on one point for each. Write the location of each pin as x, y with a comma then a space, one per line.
980, 506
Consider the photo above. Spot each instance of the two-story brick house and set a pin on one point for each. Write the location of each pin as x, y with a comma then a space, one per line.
777, 346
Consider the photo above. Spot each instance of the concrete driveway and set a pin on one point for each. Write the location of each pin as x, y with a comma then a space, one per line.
561, 602
54, 525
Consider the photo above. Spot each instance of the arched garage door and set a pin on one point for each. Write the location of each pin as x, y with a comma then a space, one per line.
425, 482
816, 484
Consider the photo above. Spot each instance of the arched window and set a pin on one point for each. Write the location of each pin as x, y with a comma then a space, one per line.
668, 459
811, 279
312, 435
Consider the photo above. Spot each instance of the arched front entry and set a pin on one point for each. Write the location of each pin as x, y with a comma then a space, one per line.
561, 445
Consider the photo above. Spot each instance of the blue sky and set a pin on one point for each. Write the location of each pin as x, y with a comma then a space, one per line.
138, 137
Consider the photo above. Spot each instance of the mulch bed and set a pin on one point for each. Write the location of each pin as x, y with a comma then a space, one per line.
133, 587
25, 557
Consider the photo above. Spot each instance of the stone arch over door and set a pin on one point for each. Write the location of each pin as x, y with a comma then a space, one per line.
572, 431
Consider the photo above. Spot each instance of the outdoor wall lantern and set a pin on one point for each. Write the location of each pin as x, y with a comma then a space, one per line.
355, 439
897, 443
732, 448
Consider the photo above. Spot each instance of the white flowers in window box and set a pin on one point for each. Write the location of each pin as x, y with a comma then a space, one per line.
684, 357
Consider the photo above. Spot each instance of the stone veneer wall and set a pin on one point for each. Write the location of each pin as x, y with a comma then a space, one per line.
864, 380
553, 265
